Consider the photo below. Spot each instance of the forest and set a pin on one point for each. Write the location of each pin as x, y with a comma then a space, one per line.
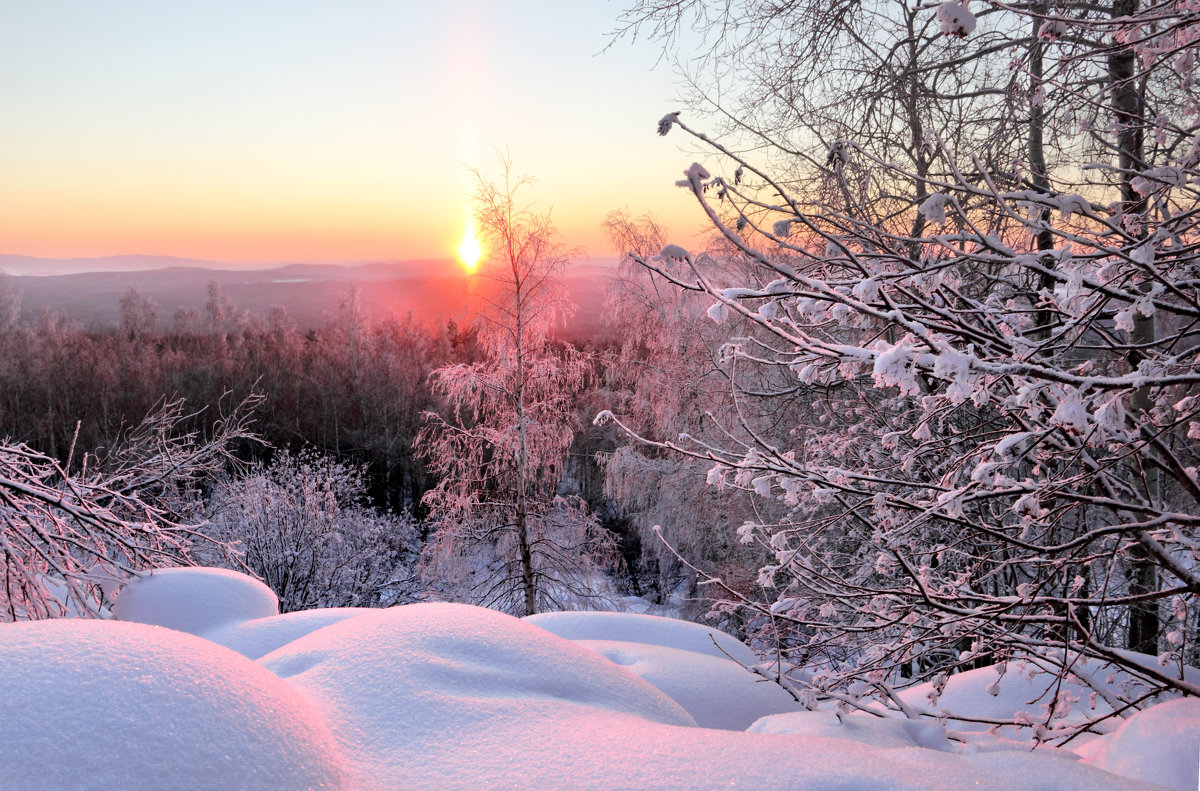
925, 401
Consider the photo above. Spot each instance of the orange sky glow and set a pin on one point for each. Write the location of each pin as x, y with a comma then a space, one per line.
310, 131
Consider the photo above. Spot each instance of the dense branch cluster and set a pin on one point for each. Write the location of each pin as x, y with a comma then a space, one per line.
983, 346
68, 532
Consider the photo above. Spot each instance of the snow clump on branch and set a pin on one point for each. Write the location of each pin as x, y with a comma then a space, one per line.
955, 19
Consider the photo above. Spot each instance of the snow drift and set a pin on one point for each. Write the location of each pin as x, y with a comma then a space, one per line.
89, 704
445, 696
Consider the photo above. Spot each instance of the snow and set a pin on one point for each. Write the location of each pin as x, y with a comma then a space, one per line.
887, 732
446, 696
194, 600
988, 694
256, 638
955, 20
90, 704
462, 682
1159, 745
717, 692
649, 629
718, 312
673, 252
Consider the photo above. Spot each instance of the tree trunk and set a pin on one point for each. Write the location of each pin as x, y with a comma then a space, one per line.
1129, 110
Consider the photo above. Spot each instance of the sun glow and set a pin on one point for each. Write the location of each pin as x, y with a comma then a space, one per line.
469, 251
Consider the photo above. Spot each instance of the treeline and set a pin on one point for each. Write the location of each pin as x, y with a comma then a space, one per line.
354, 387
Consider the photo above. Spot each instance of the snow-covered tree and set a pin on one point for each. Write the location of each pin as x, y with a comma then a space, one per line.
503, 537
1000, 455
68, 529
666, 376
301, 524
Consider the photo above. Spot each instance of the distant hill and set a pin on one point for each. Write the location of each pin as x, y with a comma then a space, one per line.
31, 265
432, 290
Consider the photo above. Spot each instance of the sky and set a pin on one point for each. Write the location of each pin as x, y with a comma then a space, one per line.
254, 131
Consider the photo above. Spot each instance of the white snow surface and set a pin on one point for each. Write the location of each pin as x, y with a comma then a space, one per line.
194, 600
91, 704
717, 693
984, 694
1160, 745
649, 629
445, 696
891, 732
260, 636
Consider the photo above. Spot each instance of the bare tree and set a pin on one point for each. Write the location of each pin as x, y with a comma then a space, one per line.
666, 376
1008, 364
503, 537
301, 524
67, 528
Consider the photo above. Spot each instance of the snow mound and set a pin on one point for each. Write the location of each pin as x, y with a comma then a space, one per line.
1027, 690
194, 600
717, 693
649, 629
105, 705
1160, 745
426, 676
256, 638
890, 732
445, 696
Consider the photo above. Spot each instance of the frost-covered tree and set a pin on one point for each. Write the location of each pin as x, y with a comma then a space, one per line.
302, 525
666, 376
503, 537
67, 529
1000, 456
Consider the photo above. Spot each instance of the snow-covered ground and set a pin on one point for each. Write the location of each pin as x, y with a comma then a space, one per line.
199, 684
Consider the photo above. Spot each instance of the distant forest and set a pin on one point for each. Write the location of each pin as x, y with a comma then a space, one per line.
353, 386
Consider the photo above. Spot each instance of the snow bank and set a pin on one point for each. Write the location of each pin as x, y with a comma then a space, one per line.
649, 629
261, 636
104, 705
890, 732
717, 693
444, 696
985, 694
1160, 745
194, 600
397, 683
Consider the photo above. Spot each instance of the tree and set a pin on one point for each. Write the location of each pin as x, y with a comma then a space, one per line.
301, 525
1000, 458
666, 377
66, 531
503, 537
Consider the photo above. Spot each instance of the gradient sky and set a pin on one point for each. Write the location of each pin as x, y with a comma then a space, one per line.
319, 130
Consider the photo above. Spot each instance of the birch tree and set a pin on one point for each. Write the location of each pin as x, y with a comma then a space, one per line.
503, 537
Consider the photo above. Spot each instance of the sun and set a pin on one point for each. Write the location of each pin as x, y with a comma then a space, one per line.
469, 251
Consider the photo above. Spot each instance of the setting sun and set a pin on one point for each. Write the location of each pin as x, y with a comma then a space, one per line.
469, 251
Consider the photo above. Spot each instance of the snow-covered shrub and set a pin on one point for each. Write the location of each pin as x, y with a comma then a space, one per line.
69, 531
302, 525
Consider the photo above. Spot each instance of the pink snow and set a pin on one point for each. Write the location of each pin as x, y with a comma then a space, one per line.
104, 705
445, 696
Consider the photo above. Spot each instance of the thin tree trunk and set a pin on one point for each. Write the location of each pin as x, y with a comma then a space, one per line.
1129, 109
522, 516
